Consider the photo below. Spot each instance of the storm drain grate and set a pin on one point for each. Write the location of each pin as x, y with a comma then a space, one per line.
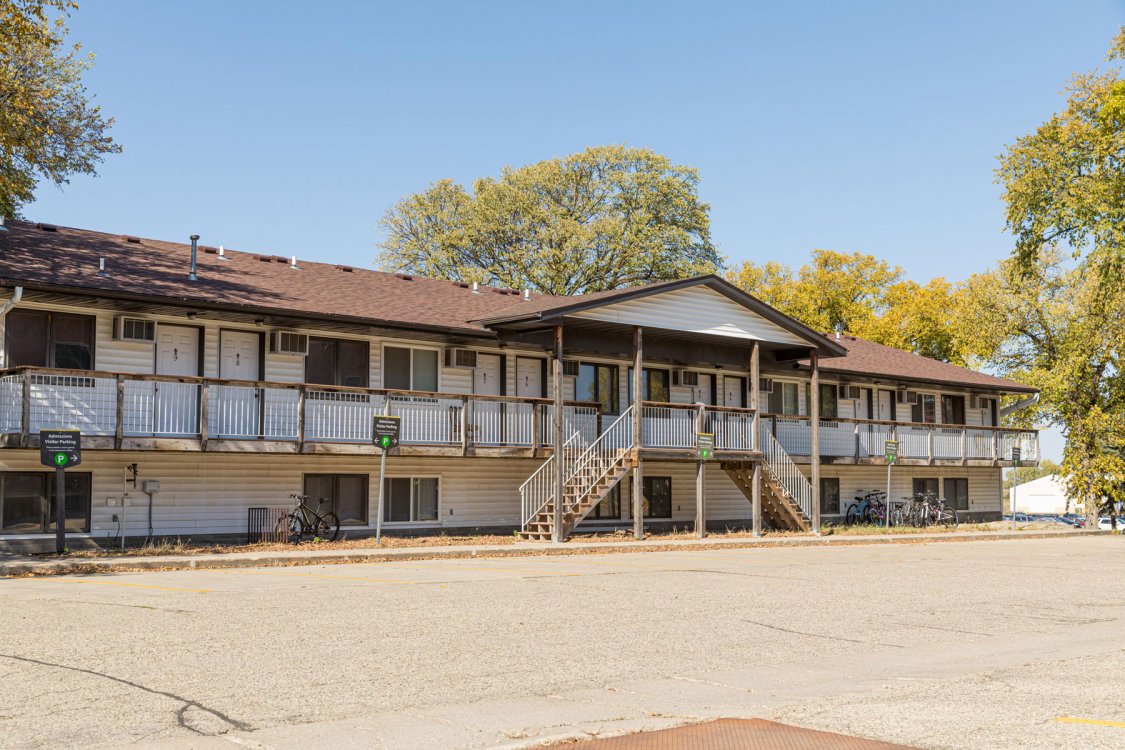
736, 734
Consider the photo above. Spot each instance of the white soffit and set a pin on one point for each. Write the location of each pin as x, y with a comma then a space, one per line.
697, 309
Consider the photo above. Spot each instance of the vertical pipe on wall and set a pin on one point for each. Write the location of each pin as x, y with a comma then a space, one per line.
814, 422
756, 437
560, 468
638, 410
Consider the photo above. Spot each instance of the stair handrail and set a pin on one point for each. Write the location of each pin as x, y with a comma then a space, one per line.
786, 472
543, 487
602, 453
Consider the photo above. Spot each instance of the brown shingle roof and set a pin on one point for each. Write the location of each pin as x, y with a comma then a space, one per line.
875, 360
152, 268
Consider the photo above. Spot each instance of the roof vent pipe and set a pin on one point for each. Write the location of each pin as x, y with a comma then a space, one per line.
476, 287
101, 267
2, 227
194, 248
293, 263
223, 253
527, 295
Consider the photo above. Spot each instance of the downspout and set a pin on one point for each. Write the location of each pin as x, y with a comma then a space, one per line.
1019, 405
17, 295
1005, 411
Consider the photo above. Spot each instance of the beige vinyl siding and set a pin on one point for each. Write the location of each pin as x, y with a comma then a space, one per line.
984, 482
209, 493
695, 310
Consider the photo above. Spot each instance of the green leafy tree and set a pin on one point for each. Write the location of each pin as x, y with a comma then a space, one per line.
1056, 311
607, 217
49, 127
862, 295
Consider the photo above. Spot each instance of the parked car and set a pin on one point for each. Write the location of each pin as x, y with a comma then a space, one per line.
1105, 523
1075, 520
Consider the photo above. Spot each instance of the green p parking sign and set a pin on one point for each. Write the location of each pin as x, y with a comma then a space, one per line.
60, 449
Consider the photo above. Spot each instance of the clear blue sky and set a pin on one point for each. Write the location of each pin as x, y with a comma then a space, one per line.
290, 127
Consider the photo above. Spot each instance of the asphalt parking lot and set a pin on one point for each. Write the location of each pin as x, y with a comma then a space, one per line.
957, 645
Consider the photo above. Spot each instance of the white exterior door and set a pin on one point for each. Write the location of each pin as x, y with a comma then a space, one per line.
701, 393
529, 377
529, 384
176, 405
884, 410
732, 391
487, 417
235, 410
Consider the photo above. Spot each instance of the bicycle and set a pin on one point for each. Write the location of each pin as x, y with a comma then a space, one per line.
304, 521
867, 509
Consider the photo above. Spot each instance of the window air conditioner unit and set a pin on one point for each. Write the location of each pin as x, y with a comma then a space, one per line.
765, 385
462, 359
570, 368
289, 342
134, 329
687, 378
907, 397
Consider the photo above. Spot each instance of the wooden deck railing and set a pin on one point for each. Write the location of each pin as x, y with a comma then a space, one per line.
155, 406
866, 438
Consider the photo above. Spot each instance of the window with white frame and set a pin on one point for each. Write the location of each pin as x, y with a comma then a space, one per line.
410, 369
925, 411
786, 398
410, 499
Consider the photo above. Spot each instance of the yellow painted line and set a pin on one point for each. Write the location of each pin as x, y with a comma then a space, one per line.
129, 585
318, 575
1091, 722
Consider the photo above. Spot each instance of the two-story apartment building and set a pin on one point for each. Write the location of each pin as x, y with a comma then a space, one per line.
235, 379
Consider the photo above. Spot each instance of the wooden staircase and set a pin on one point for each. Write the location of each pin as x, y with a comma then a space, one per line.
591, 472
779, 509
581, 496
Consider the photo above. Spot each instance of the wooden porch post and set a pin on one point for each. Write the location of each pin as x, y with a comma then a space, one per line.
560, 468
638, 469
756, 437
700, 482
814, 422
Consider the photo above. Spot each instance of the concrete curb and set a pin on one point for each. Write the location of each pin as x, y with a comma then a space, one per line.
330, 557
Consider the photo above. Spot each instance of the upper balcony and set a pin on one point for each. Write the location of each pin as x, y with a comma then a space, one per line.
151, 412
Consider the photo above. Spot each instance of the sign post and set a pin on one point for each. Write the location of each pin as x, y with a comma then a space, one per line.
385, 433
1017, 456
891, 451
59, 450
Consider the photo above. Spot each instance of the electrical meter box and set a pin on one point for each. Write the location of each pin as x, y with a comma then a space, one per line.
152, 485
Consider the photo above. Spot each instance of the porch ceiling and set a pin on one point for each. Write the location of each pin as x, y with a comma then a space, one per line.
615, 340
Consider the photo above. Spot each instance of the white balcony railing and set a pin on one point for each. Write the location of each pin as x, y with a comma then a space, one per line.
135, 406
867, 438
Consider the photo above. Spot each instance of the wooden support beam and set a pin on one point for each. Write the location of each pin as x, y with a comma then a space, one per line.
814, 419
204, 413
560, 463
700, 482
301, 419
464, 425
756, 499
25, 414
638, 409
119, 426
